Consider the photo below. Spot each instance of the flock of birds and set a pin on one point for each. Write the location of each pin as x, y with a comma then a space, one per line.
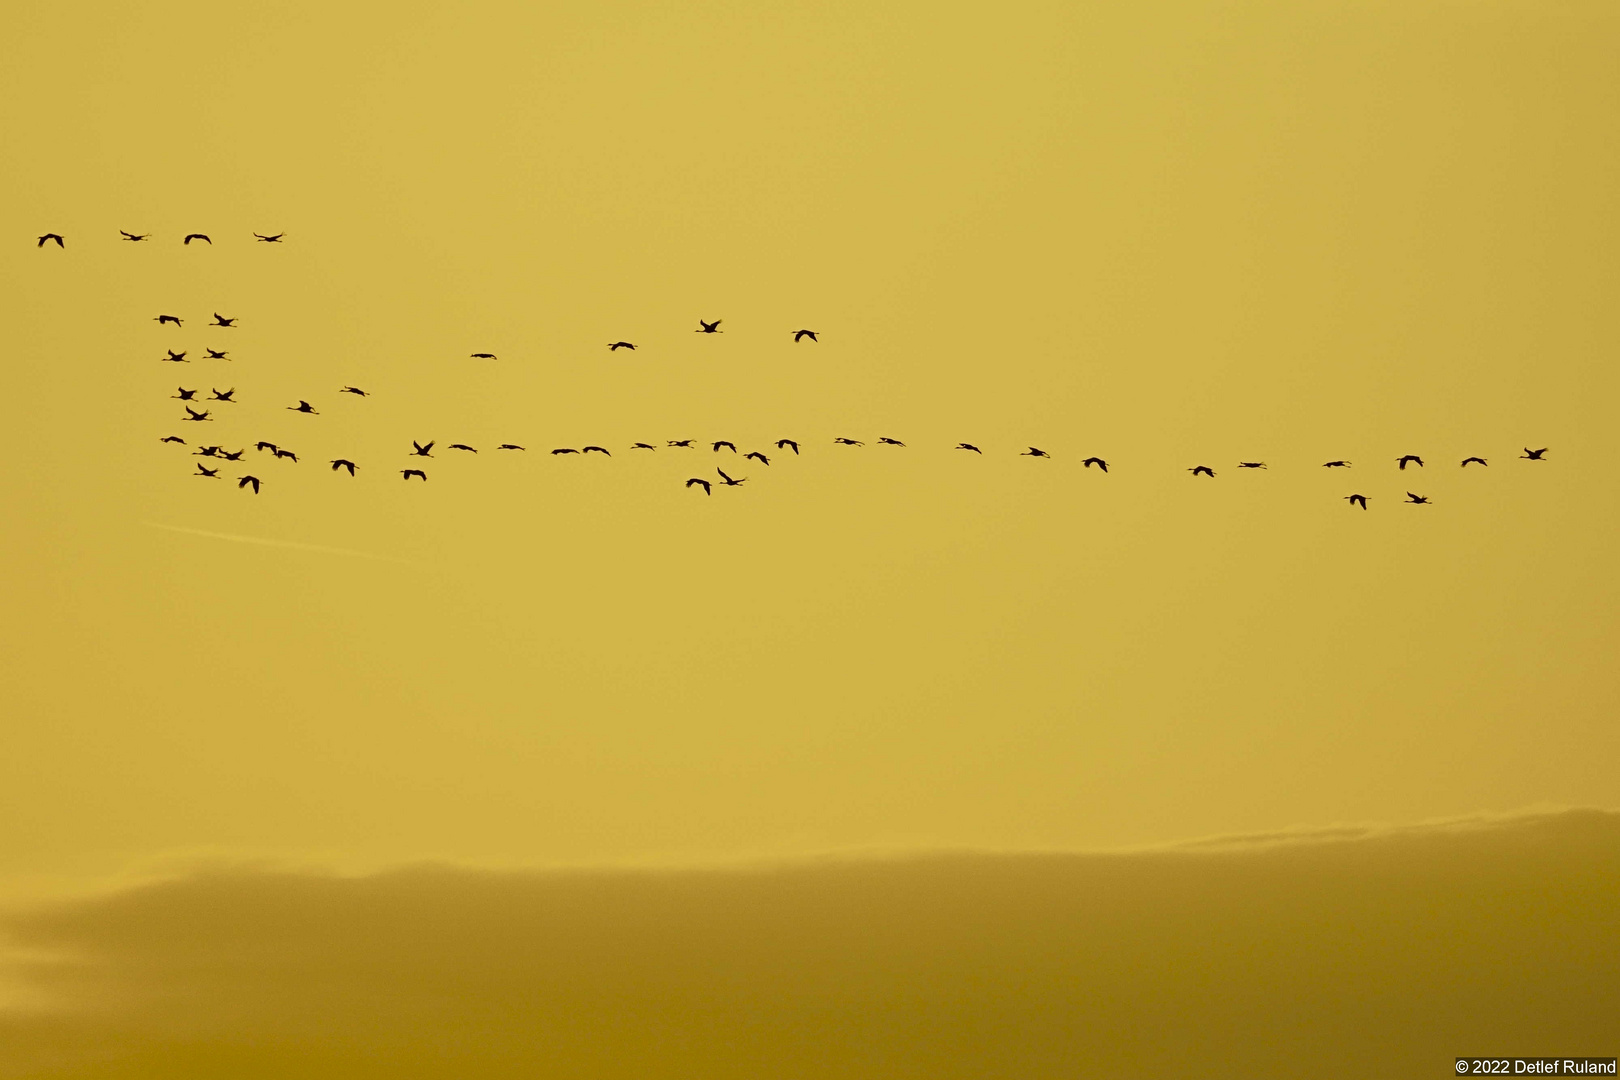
425, 450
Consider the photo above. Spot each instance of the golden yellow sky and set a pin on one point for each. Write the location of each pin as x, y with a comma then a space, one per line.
1164, 233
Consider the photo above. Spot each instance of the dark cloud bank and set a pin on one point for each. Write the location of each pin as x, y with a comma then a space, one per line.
1335, 955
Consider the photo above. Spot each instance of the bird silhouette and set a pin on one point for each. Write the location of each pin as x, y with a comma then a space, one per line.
1481, 460
173, 438
303, 407
1097, 461
1534, 455
483, 356
643, 446
355, 390
161, 319
224, 395
841, 441
799, 335
287, 454
133, 236
596, 450
176, 358
704, 484
232, 455
1335, 464
195, 415
680, 442
421, 451
728, 445
890, 442
408, 473
246, 480
276, 239
1357, 500
729, 481
343, 463
969, 446
203, 471
709, 327
1035, 452
1406, 459
51, 236
215, 354
208, 451
509, 446
201, 236
788, 444
565, 450
1416, 498
184, 394
615, 346
1251, 464
461, 446
220, 320
1202, 470
757, 456
266, 446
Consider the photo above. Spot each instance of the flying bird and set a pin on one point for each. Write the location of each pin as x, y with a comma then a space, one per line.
1357, 500
709, 327
173, 438
1251, 464
343, 463
202, 471
1202, 470
421, 451
287, 454
680, 442
509, 446
51, 236
891, 442
596, 449
204, 237
1416, 498
276, 239
266, 446
787, 444
195, 415
175, 358
246, 480
133, 236
642, 446
757, 456
969, 446
483, 356
220, 320
729, 445
461, 446
565, 450
353, 390
799, 335
208, 451
1035, 452
729, 481
184, 394
303, 407
1406, 459
704, 484
1534, 455
224, 395
408, 473
848, 442
615, 346
1481, 460
232, 455
1099, 462
1335, 464
215, 354
161, 319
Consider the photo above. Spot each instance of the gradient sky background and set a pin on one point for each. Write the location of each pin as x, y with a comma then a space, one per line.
1167, 234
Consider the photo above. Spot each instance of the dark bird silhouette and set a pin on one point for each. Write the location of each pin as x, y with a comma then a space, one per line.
343, 463
729, 481
787, 444
204, 237
134, 236
235, 455
642, 446
1202, 470
615, 346
461, 446
1481, 460
565, 450
680, 442
704, 484
890, 442
728, 445
757, 456
596, 450
195, 415
1035, 452
408, 473
1097, 461
1357, 500
509, 446
1335, 464
220, 320
225, 395
246, 480
1534, 455
800, 335
841, 441
176, 358
1416, 498
184, 394
266, 446
173, 438
1251, 464
355, 390
1406, 459
161, 319
276, 239
303, 407
208, 451
709, 327
421, 451
215, 354
49, 237
969, 446
483, 356
203, 471
287, 454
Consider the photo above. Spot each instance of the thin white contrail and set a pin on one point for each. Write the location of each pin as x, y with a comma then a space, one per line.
281, 543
